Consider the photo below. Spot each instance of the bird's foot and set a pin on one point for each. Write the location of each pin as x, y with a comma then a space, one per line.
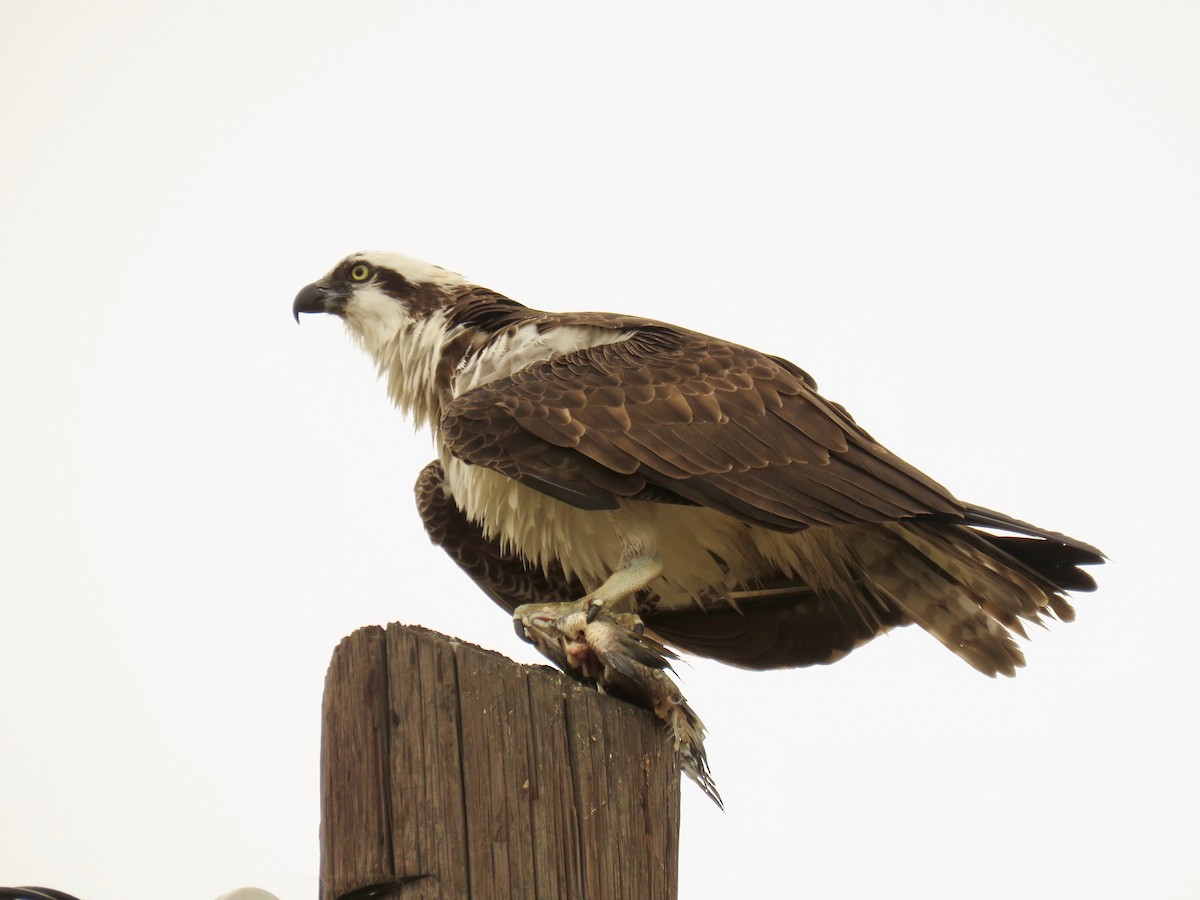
558, 630
611, 651
620, 587
547, 624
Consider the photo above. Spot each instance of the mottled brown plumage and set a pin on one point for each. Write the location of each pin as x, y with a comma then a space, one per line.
712, 423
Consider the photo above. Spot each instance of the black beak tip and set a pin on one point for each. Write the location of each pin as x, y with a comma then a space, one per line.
313, 298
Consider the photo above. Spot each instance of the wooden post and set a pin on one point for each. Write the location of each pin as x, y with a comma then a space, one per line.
448, 771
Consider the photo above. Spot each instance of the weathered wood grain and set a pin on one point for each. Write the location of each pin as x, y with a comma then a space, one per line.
451, 772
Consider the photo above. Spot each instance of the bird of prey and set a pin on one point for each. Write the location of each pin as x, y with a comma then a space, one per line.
621, 485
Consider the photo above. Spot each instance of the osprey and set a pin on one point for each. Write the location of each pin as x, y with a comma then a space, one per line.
620, 484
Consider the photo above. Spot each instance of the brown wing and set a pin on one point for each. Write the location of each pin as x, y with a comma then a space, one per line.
780, 625
671, 414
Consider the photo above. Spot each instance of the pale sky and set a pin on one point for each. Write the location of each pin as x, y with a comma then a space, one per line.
977, 225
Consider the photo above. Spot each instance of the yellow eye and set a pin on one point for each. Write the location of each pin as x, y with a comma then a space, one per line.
360, 272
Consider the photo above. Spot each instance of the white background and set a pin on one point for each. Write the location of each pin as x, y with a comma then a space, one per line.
976, 224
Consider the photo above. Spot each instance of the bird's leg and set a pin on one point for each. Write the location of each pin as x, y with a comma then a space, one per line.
542, 622
624, 583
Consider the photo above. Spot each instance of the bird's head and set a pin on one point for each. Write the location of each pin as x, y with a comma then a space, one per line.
379, 295
395, 306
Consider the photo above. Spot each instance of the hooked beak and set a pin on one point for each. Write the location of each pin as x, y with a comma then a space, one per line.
318, 297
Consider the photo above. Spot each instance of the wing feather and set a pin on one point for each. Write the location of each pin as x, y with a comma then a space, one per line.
708, 421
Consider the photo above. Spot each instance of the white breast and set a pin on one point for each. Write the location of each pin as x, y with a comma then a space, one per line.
534, 525
589, 545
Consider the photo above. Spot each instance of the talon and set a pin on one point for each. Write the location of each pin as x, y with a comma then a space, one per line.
630, 622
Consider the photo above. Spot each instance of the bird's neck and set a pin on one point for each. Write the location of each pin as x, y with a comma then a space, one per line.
418, 363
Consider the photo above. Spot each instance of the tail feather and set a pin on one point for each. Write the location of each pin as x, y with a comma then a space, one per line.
1056, 562
973, 590
1083, 554
920, 581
